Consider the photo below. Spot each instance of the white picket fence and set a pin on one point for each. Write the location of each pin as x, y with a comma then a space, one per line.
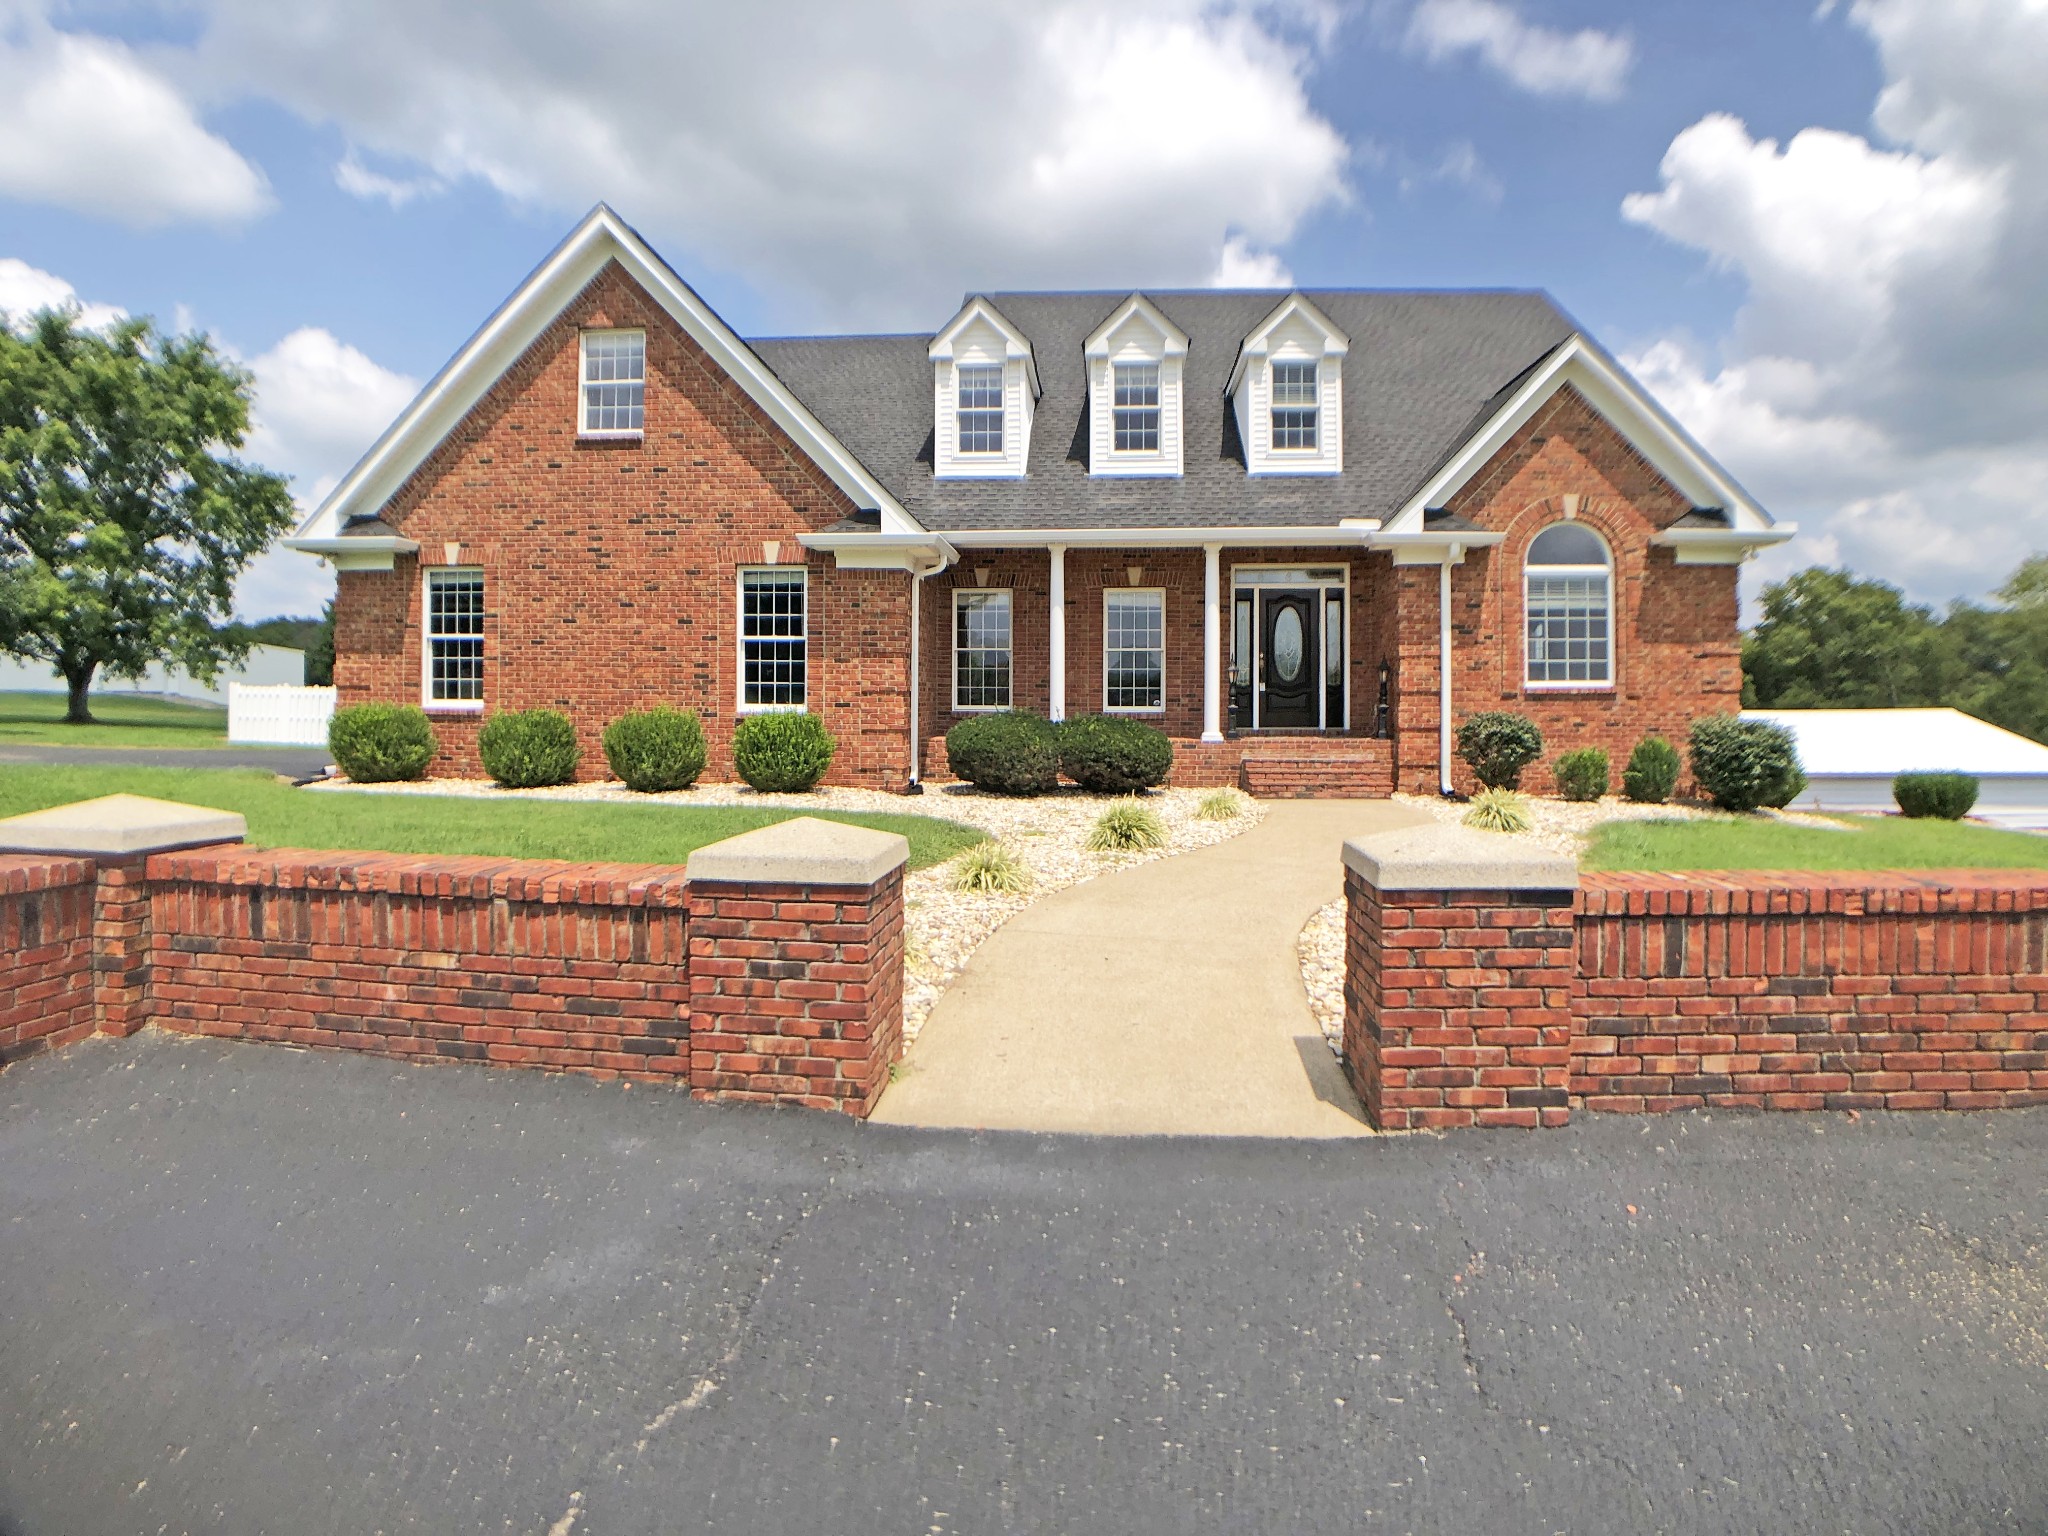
277, 714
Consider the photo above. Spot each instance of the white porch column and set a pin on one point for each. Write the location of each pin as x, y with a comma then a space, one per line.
1056, 646
1212, 641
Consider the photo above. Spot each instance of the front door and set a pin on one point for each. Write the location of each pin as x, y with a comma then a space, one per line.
1289, 678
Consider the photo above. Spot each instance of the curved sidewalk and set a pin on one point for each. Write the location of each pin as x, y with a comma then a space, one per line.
1164, 1000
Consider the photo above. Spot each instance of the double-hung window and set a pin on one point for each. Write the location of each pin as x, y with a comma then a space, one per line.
772, 638
614, 383
981, 649
1135, 407
1568, 585
981, 407
1133, 650
1294, 407
455, 639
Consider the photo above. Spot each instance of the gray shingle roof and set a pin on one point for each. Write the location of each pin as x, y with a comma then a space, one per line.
1425, 370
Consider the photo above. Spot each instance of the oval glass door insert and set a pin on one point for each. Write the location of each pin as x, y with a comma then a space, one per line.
1287, 644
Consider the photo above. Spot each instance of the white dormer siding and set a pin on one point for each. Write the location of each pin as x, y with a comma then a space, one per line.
1294, 344
978, 346
1139, 339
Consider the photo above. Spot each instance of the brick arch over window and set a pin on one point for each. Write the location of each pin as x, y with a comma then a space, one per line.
1625, 533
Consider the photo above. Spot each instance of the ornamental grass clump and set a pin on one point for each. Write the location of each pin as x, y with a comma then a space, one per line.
653, 750
1497, 745
1126, 827
1583, 775
990, 869
1652, 771
1220, 805
1945, 796
1114, 756
1498, 810
1744, 764
785, 753
381, 743
1010, 752
529, 748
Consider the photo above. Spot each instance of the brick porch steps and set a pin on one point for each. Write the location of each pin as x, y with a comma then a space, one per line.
1353, 768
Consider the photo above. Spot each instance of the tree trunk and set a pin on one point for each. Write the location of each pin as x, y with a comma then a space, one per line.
79, 679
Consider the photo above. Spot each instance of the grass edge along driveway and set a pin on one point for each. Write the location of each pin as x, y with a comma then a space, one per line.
120, 720
280, 816
1876, 842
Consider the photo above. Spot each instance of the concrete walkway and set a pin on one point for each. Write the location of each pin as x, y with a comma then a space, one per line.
1165, 1000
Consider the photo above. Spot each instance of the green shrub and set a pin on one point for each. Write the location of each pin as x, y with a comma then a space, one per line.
652, 750
378, 743
1949, 796
1126, 827
1013, 752
1498, 810
1582, 775
1652, 771
991, 869
1742, 764
1497, 746
529, 748
1220, 805
1112, 755
782, 753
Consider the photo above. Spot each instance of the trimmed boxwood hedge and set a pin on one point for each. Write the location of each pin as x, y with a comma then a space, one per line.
784, 753
380, 743
1949, 796
529, 748
1112, 755
651, 750
1497, 745
1010, 752
1743, 764
1583, 774
1652, 771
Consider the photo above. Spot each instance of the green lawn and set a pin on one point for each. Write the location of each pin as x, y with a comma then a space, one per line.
1882, 842
124, 720
283, 817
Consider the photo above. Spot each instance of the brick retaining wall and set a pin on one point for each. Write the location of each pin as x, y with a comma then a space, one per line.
46, 953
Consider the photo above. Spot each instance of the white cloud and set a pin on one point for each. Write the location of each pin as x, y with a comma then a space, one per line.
1542, 61
1886, 382
1239, 266
87, 124
895, 154
358, 180
25, 289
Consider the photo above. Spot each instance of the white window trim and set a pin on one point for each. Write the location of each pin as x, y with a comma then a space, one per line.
1002, 413
1606, 573
1315, 365
428, 702
1158, 409
583, 382
739, 636
1244, 579
982, 709
1133, 709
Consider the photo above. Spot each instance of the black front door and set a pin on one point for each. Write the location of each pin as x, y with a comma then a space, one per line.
1290, 679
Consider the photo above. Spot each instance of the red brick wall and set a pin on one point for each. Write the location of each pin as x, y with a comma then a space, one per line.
1803, 991
46, 950
611, 567
796, 991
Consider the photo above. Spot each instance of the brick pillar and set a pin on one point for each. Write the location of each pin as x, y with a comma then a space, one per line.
120, 945
796, 965
1458, 978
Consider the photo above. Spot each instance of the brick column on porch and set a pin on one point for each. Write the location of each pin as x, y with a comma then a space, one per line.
796, 965
119, 833
1458, 979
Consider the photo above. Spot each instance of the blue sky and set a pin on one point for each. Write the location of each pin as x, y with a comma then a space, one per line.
1796, 224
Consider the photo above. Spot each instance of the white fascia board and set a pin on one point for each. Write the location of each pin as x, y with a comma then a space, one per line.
1357, 534
1629, 408
1016, 343
361, 553
1435, 548
1720, 546
1174, 340
453, 392
1335, 342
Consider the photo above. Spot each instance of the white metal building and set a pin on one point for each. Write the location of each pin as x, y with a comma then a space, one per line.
1851, 756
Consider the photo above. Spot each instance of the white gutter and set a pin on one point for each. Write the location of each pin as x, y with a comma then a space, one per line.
1352, 533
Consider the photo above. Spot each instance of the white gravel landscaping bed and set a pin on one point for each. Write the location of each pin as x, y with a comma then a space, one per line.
943, 927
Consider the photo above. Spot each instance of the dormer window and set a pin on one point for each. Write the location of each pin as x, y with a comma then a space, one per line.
1295, 407
981, 407
1137, 408
614, 383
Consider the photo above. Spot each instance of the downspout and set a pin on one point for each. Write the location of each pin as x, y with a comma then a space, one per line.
1443, 667
917, 577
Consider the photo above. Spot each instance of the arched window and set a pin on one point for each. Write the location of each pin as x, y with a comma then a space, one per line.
1568, 606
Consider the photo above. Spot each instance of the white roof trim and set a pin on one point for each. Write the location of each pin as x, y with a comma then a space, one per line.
1335, 342
1357, 533
1175, 339
1628, 408
453, 392
1018, 345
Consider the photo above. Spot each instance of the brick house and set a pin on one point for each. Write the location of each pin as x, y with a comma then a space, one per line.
1301, 532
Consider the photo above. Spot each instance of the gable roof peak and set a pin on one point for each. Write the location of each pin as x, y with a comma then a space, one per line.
980, 307
1173, 339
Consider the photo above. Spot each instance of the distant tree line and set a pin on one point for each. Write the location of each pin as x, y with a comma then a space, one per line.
1832, 639
313, 636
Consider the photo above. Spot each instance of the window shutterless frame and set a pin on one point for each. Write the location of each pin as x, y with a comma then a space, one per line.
1134, 407
1567, 610
983, 648
452, 639
1293, 413
774, 639
978, 392
1134, 650
611, 397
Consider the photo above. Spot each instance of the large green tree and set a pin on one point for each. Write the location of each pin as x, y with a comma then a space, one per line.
1830, 639
125, 516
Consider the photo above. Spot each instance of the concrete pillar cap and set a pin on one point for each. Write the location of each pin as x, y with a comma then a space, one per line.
1440, 857
803, 851
119, 825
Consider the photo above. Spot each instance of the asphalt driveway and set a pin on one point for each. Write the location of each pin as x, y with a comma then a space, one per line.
247, 1289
